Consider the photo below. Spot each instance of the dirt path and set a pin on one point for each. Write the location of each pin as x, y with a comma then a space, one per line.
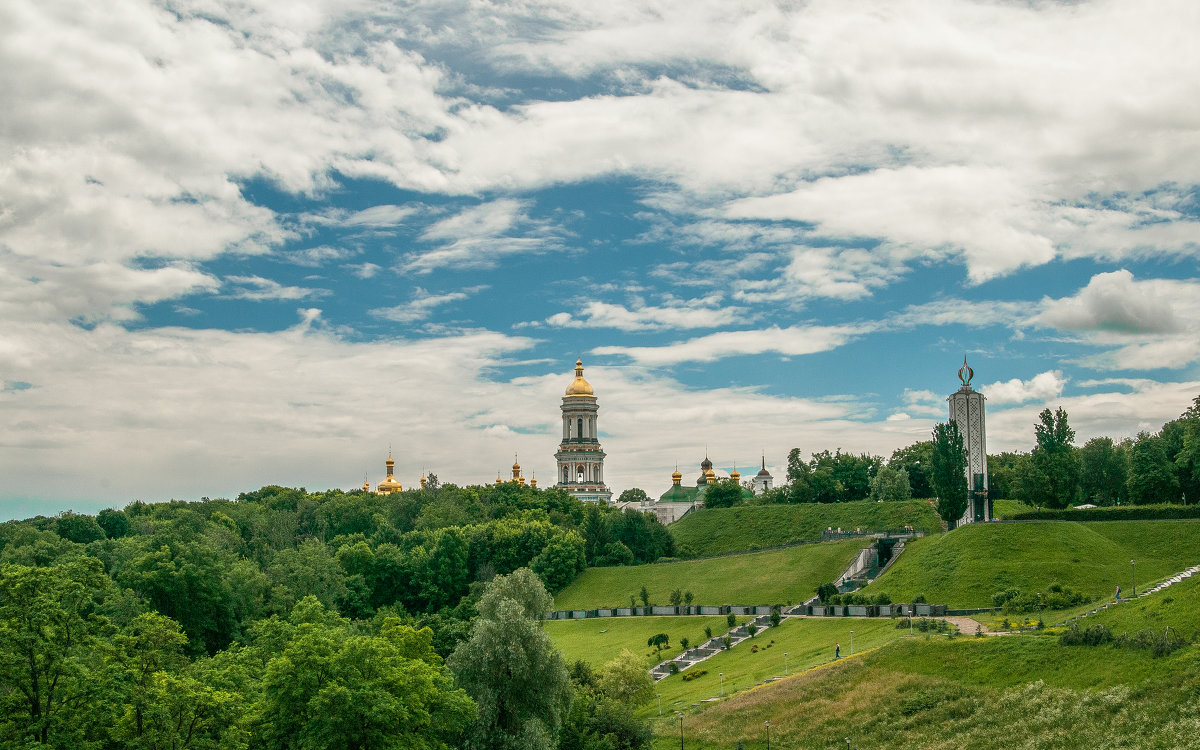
967, 626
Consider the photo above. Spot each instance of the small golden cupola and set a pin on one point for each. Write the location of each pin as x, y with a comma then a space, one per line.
676, 478
579, 386
366, 484
424, 481
499, 479
736, 476
533, 480
389, 484
516, 472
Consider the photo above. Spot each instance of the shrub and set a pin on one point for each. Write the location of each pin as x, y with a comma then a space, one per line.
693, 674
708, 631
1118, 513
882, 598
826, 591
683, 643
751, 629
726, 642
919, 599
731, 619
673, 667
775, 617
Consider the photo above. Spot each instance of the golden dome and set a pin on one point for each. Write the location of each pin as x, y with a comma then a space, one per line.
579, 386
735, 475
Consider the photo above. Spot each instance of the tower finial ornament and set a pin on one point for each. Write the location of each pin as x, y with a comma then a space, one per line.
965, 373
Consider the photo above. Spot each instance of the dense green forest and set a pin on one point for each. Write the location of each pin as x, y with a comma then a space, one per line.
289, 619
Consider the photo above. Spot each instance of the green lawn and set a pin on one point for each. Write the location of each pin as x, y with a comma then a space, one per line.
808, 641
599, 640
1008, 508
714, 531
965, 567
1018, 691
1177, 607
771, 577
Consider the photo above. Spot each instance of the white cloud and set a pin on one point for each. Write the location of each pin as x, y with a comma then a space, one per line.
363, 270
380, 216
423, 305
703, 312
480, 236
1142, 325
792, 341
1116, 302
259, 289
1041, 387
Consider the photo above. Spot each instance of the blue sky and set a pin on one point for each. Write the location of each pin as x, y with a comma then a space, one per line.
250, 243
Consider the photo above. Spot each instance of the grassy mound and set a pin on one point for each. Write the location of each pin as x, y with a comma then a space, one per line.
600, 640
964, 568
996, 692
1177, 607
772, 577
715, 531
807, 641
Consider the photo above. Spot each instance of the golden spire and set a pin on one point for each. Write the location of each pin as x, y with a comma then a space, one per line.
533, 480
579, 386
676, 477
735, 475
366, 484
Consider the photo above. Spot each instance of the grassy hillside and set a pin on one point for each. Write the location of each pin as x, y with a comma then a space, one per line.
1177, 607
964, 568
772, 577
600, 640
996, 692
807, 641
714, 531
1008, 508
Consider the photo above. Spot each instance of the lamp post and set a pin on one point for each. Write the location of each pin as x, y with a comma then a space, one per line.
1133, 570
680, 730
722, 684
852, 643
767, 724
785, 663
659, 696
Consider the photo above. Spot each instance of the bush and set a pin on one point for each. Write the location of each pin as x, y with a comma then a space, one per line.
693, 674
726, 642
708, 631
1057, 596
731, 619
919, 599
775, 617
672, 667
1093, 635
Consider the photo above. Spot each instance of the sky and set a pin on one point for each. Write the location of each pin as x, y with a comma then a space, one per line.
249, 243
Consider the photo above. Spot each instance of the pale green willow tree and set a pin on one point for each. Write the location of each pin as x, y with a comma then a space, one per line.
511, 668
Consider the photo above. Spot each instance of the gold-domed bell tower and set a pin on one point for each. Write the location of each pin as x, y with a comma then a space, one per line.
580, 459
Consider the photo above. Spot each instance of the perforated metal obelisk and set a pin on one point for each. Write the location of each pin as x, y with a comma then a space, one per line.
966, 410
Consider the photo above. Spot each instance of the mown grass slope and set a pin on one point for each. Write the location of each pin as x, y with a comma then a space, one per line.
808, 641
714, 531
1019, 691
1177, 607
965, 567
771, 577
599, 640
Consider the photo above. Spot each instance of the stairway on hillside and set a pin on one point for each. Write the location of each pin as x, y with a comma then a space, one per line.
709, 648
1166, 583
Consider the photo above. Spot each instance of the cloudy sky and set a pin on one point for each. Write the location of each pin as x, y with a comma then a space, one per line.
259, 242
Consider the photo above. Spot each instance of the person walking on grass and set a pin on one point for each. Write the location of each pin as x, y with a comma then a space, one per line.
1118, 593
837, 651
